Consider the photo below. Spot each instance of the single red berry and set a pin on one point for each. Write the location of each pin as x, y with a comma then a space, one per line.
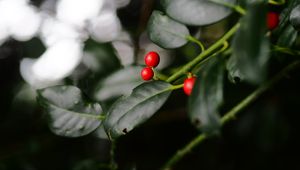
152, 59
272, 20
188, 85
147, 73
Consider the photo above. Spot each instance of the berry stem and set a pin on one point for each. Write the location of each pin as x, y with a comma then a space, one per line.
195, 40
175, 87
230, 115
189, 75
197, 67
204, 54
160, 76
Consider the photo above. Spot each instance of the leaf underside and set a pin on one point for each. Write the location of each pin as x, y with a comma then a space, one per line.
68, 112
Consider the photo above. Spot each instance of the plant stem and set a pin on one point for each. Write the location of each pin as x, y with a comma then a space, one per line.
159, 76
286, 50
204, 54
253, 96
113, 164
231, 114
182, 152
175, 87
274, 2
101, 117
195, 40
197, 68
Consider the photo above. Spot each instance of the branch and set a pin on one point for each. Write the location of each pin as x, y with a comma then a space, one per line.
231, 114
204, 54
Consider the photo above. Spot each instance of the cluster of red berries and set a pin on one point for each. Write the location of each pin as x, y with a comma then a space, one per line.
151, 60
272, 20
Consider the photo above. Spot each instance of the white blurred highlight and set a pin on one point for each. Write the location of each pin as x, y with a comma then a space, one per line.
18, 19
63, 26
55, 64
105, 27
53, 30
26, 24
77, 12
3, 32
30, 78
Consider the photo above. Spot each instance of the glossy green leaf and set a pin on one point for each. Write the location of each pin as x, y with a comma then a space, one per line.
287, 37
285, 32
197, 12
295, 17
130, 111
118, 83
250, 46
207, 96
284, 17
166, 32
69, 113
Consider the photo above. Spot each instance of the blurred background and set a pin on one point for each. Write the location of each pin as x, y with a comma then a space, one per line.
264, 136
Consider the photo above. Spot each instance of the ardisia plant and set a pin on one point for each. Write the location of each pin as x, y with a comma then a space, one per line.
255, 36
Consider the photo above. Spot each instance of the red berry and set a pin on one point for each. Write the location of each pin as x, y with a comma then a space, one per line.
188, 85
152, 59
272, 20
147, 73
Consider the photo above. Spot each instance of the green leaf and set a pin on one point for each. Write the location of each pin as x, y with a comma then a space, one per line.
207, 96
284, 17
285, 32
70, 114
295, 17
118, 83
234, 74
197, 12
251, 47
128, 112
287, 37
166, 32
